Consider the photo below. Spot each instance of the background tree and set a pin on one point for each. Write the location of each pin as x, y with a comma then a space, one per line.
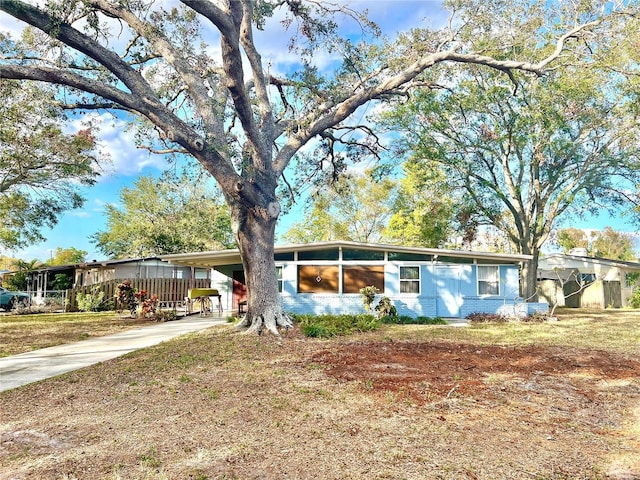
613, 245
425, 210
20, 274
67, 256
570, 238
355, 208
41, 167
567, 142
608, 243
180, 212
246, 127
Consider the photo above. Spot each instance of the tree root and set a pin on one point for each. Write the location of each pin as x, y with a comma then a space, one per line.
272, 320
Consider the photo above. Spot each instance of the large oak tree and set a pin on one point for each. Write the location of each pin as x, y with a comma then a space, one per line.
557, 147
241, 122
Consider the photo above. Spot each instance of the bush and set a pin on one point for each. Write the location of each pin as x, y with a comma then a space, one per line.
634, 300
368, 296
407, 320
165, 315
126, 296
537, 317
486, 318
385, 308
324, 326
91, 302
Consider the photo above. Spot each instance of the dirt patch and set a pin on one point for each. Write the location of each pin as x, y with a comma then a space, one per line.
426, 371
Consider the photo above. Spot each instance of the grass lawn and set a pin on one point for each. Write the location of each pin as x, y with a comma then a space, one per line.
492, 401
23, 333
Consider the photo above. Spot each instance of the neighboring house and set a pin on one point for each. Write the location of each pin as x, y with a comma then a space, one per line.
327, 277
599, 282
42, 281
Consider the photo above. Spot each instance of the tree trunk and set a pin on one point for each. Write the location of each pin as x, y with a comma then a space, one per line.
530, 278
255, 234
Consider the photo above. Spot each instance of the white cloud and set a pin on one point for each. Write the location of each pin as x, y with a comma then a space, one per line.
80, 214
123, 157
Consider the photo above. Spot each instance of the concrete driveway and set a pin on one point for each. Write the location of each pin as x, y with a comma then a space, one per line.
29, 367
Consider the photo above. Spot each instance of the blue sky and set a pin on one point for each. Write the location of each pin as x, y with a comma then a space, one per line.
127, 162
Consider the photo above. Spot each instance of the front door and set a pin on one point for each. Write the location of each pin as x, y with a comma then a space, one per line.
448, 297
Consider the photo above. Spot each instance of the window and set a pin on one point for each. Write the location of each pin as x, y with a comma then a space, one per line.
353, 254
279, 277
410, 279
488, 280
328, 254
409, 257
317, 279
356, 277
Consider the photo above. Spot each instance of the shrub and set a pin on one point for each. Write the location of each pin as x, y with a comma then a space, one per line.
90, 302
324, 326
634, 300
368, 296
148, 305
479, 317
126, 296
166, 315
407, 320
537, 317
385, 308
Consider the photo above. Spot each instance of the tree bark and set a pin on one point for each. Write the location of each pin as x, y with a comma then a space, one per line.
255, 234
530, 278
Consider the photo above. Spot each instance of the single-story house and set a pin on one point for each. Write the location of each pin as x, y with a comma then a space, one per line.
582, 281
326, 277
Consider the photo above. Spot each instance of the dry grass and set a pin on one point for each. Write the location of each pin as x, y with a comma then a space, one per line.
482, 402
24, 333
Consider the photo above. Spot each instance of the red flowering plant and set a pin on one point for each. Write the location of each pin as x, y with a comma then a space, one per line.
126, 296
150, 306
131, 298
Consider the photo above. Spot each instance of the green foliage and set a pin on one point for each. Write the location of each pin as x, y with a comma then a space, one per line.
569, 238
613, 245
607, 243
175, 214
424, 209
355, 208
134, 300
407, 320
634, 299
19, 279
126, 297
41, 167
385, 308
61, 281
166, 315
325, 326
16, 281
499, 148
91, 302
68, 256
368, 295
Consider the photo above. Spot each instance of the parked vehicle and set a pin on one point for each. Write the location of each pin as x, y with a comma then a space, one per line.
10, 299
